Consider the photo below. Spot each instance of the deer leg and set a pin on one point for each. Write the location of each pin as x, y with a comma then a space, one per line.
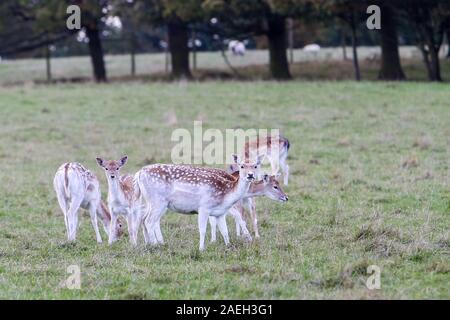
152, 219
132, 230
202, 223
64, 208
285, 168
112, 227
72, 217
93, 213
213, 225
158, 233
250, 204
238, 216
222, 222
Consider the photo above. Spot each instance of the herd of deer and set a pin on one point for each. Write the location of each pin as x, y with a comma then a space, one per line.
143, 199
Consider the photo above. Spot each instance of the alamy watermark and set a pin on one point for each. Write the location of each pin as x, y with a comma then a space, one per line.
214, 146
374, 21
374, 280
73, 22
73, 282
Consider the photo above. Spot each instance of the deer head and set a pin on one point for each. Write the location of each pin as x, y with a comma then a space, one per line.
272, 189
247, 170
112, 167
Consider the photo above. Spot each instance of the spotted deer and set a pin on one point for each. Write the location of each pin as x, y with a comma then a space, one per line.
76, 187
188, 189
121, 198
275, 149
269, 187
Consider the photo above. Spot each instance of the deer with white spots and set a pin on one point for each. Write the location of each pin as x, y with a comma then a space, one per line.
275, 149
121, 197
76, 187
188, 189
269, 187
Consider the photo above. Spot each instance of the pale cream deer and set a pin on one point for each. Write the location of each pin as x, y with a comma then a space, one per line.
275, 149
76, 187
121, 198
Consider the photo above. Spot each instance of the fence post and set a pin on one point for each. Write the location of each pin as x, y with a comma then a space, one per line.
194, 51
166, 53
133, 55
47, 63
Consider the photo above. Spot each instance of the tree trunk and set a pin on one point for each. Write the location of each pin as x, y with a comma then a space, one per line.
391, 68
435, 65
448, 43
355, 50
96, 53
179, 50
276, 36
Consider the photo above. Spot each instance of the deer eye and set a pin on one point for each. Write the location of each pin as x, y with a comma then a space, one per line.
275, 187
106, 169
256, 167
242, 167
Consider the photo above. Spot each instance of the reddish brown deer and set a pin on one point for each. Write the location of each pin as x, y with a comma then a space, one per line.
188, 189
275, 149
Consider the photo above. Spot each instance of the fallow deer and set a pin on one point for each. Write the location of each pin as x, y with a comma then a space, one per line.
121, 198
269, 187
188, 189
76, 187
275, 149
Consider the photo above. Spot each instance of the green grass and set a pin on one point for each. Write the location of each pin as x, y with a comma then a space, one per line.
369, 185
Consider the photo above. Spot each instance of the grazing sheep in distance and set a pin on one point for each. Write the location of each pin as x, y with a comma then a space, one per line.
236, 47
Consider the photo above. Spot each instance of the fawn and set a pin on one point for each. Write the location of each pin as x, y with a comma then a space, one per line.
188, 189
76, 187
275, 149
121, 197
269, 187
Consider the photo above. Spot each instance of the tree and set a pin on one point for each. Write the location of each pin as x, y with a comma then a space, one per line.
391, 68
244, 18
351, 12
430, 19
176, 16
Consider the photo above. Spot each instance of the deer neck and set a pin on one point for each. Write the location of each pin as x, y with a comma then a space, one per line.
256, 189
114, 190
240, 188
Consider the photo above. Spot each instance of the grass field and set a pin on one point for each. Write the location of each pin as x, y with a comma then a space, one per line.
369, 185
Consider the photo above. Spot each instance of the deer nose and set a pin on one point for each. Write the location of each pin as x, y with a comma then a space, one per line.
112, 177
250, 175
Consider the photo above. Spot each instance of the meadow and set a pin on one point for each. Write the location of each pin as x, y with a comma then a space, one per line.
369, 185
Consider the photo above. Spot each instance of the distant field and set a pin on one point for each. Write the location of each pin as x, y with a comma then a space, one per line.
370, 185
327, 64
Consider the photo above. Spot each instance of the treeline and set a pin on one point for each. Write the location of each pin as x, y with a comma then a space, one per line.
26, 25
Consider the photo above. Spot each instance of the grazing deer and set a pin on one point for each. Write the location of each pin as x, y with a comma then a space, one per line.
188, 189
275, 149
121, 198
269, 187
76, 187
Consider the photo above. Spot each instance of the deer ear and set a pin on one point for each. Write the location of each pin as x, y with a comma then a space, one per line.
99, 161
235, 158
123, 160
